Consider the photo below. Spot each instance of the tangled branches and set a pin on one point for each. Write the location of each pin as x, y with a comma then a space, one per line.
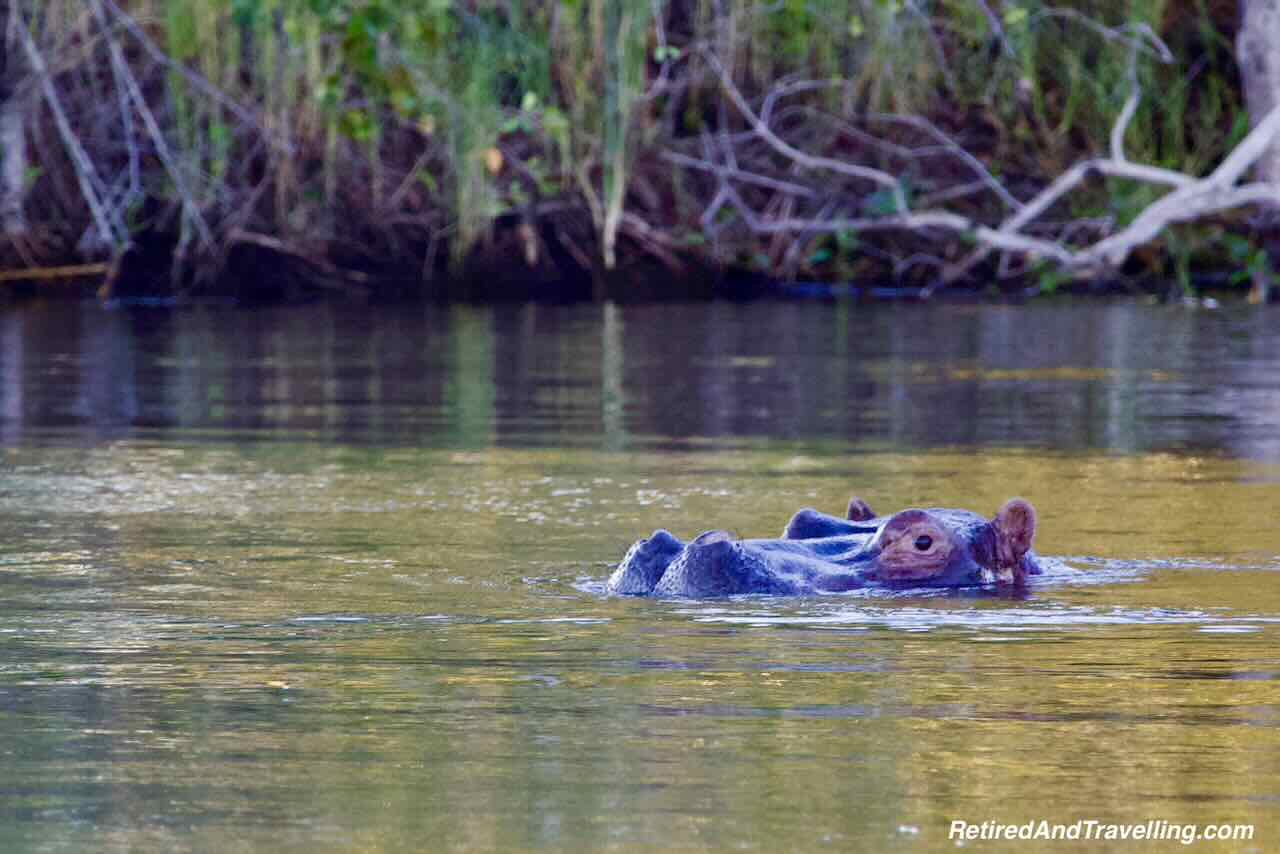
98, 79
767, 182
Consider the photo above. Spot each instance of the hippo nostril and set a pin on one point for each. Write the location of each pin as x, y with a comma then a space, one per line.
923, 543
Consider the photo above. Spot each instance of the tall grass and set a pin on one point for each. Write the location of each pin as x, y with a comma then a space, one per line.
384, 118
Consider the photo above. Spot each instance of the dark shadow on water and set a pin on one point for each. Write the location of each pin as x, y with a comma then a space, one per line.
702, 375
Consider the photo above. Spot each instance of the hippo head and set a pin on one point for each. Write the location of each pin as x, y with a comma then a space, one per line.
820, 553
950, 548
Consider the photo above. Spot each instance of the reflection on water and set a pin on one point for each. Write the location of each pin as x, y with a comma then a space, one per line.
1123, 378
383, 628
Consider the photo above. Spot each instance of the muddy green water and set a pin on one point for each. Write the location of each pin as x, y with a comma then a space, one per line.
328, 579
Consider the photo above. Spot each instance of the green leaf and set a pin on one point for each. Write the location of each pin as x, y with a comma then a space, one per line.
1238, 248
219, 134
1015, 16
377, 20
1049, 278
880, 203
404, 102
358, 125
245, 12
328, 93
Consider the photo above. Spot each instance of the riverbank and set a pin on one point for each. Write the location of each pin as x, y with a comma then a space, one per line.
617, 149
258, 280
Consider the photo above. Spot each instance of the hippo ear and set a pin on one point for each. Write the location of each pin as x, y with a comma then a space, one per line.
1015, 527
859, 511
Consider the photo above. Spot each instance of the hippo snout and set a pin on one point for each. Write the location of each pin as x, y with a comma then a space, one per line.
645, 563
710, 565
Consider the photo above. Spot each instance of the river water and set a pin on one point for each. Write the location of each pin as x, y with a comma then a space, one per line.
329, 578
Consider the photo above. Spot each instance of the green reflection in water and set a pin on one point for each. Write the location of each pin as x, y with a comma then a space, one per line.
469, 391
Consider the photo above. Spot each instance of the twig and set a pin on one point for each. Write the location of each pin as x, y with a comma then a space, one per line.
993, 21
745, 177
810, 161
322, 265
1145, 37
109, 225
69, 272
189, 206
126, 121
911, 221
196, 80
655, 241
955, 149
940, 55
946, 144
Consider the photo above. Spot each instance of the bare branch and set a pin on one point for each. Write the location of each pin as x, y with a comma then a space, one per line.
911, 221
745, 177
1140, 37
1190, 198
122, 73
109, 225
946, 145
955, 149
1201, 200
940, 55
997, 29
281, 140
1249, 151
1061, 186
808, 161
1128, 111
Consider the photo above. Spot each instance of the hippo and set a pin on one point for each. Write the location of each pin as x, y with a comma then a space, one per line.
817, 553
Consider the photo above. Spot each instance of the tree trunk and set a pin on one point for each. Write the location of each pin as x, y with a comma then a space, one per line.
1258, 54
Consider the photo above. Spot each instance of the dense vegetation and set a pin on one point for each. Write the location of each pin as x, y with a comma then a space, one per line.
494, 143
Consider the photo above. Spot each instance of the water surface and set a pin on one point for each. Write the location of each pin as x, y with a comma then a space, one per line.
324, 579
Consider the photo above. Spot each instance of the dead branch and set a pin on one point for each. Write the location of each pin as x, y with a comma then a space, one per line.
280, 139
659, 244
741, 171
722, 171
121, 70
351, 279
73, 271
801, 158
921, 221
945, 144
997, 29
110, 226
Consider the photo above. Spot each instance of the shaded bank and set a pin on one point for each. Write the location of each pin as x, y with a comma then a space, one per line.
603, 147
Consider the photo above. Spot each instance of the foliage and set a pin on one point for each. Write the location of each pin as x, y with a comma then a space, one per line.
447, 116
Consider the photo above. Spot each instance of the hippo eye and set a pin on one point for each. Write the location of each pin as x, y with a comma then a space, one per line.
923, 543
